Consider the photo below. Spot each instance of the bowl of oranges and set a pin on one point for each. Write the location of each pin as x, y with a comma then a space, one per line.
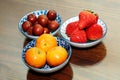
46, 54
38, 22
85, 30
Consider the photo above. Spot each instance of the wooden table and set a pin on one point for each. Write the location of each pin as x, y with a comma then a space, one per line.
100, 62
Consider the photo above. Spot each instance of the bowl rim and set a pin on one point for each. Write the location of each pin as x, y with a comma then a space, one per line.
84, 44
23, 18
51, 69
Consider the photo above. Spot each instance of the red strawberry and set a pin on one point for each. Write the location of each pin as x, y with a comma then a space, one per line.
87, 18
71, 27
78, 36
94, 32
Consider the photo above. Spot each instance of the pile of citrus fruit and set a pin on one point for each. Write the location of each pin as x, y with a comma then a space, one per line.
46, 51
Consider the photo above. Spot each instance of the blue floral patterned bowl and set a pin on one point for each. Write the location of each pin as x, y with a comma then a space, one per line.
37, 13
47, 68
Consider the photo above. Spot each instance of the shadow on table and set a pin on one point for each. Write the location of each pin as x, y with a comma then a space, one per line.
27, 40
65, 73
88, 56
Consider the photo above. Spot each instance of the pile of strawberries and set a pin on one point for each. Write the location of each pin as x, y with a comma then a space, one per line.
85, 29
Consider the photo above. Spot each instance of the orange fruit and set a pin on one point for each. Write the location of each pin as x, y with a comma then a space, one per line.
35, 57
46, 41
56, 56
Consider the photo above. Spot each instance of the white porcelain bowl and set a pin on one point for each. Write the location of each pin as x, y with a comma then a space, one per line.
37, 13
47, 69
82, 45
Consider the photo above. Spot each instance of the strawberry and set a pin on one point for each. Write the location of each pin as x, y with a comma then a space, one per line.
78, 36
71, 27
87, 18
94, 32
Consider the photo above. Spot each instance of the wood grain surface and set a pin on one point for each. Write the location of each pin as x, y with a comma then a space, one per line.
101, 62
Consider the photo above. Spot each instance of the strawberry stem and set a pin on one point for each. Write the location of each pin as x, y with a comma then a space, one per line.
91, 11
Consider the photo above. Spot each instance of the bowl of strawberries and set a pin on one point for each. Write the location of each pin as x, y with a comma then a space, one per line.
85, 30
